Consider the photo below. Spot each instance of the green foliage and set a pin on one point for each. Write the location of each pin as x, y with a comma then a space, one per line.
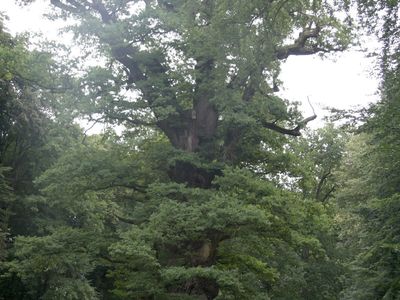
381, 18
318, 156
6, 197
54, 266
257, 231
370, 190
30, 141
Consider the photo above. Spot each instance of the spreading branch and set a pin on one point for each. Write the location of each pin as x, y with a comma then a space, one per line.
299, 46
132, 186
327, 195
75, 7
294, 131
70, 6
127, 220
124, 118
95, 121
98, 6
36, 83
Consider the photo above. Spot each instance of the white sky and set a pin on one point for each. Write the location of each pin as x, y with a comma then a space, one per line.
342, 81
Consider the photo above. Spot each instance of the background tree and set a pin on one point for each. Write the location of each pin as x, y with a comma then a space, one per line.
317, 156
370, 182
30, 141
370, 190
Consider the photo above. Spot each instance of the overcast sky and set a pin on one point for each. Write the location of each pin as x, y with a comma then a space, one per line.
343, 80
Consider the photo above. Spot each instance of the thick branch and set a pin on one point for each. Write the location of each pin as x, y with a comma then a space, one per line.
295, 131
20, 79
71, 7
100, 8
321, 183
299, 46
135, 122
126, 220
328, 193
135, 187
124, 55
249, 91
76, 7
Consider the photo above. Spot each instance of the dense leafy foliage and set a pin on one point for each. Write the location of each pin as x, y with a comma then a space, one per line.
371, 191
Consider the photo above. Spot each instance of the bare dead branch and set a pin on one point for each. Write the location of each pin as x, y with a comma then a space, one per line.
312, 107
294, 131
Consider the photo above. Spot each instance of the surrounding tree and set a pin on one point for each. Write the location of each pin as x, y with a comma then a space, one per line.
30, 141
317, 156
370, 190
369, 195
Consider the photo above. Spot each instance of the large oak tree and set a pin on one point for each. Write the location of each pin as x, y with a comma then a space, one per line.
204, 76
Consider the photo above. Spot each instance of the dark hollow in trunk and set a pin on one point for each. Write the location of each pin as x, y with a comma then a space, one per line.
193, 176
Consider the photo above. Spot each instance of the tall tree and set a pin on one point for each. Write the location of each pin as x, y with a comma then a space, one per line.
197, 222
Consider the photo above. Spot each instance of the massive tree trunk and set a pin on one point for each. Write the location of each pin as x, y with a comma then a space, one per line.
193, 128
